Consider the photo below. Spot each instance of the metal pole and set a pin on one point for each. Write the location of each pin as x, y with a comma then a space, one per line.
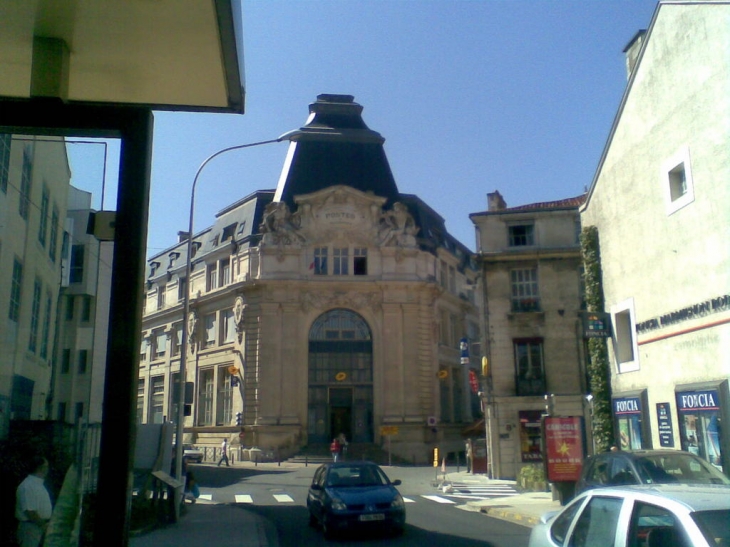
179, 429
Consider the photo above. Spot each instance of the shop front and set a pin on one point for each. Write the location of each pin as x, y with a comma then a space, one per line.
700, 419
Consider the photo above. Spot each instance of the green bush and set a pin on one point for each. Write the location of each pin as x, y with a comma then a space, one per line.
532, 477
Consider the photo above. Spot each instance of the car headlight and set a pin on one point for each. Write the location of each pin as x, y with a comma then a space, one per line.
398, 502
338, 505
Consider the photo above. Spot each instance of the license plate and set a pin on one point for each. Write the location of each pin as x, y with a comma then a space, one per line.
375, 516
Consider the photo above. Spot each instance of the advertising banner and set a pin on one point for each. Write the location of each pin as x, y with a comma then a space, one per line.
564, 447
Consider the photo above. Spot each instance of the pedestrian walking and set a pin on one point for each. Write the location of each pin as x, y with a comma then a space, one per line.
335, 448
33, 507
342, 439
468, 456
224, 453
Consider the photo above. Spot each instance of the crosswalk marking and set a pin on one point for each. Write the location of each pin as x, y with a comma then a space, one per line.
283, 498
208, 497
438, 499
409, 500
243, 498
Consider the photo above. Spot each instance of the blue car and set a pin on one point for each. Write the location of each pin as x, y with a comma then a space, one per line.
354, 496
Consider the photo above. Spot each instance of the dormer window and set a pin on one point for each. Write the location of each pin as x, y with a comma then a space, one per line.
214, 240
195, 248
521, 235
241, 227
173, 257
154, 266
228, 232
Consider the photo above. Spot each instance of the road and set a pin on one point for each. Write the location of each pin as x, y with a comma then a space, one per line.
434, 518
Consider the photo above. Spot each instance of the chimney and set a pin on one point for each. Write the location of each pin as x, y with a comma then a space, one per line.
495, 201
632, 50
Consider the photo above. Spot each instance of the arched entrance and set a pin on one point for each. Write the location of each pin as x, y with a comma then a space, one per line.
340, 378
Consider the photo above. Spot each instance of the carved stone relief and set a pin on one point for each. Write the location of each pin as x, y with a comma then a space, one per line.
342, 299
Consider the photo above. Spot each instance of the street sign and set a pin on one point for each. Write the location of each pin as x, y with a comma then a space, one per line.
473, 381
464, 349
386, 430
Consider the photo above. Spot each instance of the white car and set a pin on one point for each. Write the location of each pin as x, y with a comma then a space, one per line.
660, 515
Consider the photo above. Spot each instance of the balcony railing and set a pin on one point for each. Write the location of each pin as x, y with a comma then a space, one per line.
526, 305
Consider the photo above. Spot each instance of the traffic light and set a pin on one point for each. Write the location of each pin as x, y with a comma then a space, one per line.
239, 417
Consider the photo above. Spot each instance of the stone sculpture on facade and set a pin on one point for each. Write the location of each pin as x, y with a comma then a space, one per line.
280, 225
397, 227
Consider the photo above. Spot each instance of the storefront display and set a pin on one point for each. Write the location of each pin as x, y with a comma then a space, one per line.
628, 415
699, 424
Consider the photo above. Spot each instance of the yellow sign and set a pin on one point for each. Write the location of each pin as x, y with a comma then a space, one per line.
485, 367
443, 373
386, 430
232, 370
340, 376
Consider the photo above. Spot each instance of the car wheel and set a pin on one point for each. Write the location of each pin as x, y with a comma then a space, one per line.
397, 530
312, 520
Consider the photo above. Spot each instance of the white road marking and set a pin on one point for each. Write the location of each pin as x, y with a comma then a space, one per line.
409, 500
243, 498
283, 498
208, 497
438, 499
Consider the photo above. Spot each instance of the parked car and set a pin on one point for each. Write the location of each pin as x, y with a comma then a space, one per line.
192, 454
647, 467
354, 495
660, 515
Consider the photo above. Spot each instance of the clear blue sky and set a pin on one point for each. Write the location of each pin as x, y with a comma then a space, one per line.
471, 97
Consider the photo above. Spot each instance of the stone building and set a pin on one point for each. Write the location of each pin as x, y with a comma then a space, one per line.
531, 269
659, 201
334, 304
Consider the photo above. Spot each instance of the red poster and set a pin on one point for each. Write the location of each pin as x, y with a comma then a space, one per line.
564, 447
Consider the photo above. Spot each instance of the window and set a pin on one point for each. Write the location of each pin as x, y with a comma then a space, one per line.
205, 397
5, 141
340, 257
320, 261
53, 239
224, 401
43, 224
77, 264
70, 307
676, 177
360, 261
65, 361
444, 328
225, 273
157, 399
35, 313
182, 287
521, 235
83, 361
160, 341
625, 346
161, 296
15, 291
210, 330
525, 297
140, 400
452, 280
46, 326
212, 276
86, 308
228, 324
177, 339
61, 412
78, 411
444, 278
597, 523
26, 179
529, 367
658, 526
228, 232
172, 258
143, 345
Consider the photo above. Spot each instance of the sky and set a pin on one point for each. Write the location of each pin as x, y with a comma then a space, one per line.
472, 96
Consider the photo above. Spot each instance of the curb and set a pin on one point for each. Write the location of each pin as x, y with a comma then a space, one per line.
511, 516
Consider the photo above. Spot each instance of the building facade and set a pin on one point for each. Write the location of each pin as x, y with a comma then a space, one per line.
34, 181
334, 304
531, 271
659, 202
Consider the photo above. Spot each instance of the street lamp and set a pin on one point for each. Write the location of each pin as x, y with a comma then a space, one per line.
186, 307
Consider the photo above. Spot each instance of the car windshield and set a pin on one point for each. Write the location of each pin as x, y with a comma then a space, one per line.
715, 525
356, 476
683, 468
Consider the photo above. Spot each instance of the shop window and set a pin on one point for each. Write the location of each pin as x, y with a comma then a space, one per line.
699, 424
530, 435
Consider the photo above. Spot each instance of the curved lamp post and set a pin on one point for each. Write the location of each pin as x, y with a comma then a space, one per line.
179, 426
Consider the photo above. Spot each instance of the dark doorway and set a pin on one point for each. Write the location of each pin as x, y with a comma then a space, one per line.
341, 412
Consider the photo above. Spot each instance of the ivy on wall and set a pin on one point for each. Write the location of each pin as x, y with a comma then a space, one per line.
599, 370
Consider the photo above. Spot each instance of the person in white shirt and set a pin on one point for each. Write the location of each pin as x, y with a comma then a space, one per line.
33, 507
224, 453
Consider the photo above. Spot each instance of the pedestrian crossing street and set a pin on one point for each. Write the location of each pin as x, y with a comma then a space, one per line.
450, 494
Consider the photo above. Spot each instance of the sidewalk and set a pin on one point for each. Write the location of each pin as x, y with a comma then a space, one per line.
524, 509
